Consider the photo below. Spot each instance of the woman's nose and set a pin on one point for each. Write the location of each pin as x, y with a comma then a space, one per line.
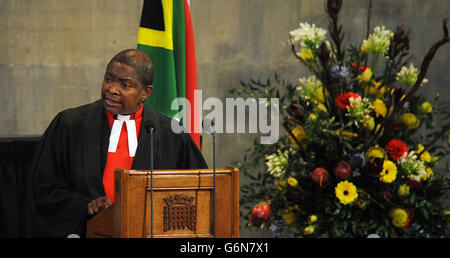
113, 88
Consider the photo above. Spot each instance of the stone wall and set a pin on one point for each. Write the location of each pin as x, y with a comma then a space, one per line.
53, 52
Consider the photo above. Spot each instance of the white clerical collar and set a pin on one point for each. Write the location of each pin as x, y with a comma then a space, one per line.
123, 117
117, 129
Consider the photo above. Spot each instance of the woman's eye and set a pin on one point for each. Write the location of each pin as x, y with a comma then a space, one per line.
124, 84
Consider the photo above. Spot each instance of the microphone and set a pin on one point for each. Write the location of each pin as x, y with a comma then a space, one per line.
208, 126
149, 126
151, 129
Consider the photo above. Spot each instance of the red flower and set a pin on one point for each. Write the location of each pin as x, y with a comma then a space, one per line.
351, 95
260, 213
361, 68
396, 126
410, 218
413, 184
343, 170
320, 176
396, 149
342, 101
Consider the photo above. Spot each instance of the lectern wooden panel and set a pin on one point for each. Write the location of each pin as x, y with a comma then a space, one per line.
182, 205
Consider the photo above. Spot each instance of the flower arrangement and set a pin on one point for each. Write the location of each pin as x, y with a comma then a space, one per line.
353, 162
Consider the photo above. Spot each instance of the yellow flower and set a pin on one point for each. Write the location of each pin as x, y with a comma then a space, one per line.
313, 117
320, 108
300, 134
306, 54
389, 172
309, 230
428, 175
376, 89
370, 123
346, 192
378, 128
425, 156
366, 46
379, 107
381, 92
312, 219
410, 120
288, 214
347, 134
426, 107
365, 76
434, 159
280, 184
376, 152
399, 217
292, 181
403, 190
288, 217
319, 98
363, 196
373, 89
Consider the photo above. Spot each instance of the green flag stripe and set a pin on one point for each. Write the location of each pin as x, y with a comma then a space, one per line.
170, 65
164, 82
179, 47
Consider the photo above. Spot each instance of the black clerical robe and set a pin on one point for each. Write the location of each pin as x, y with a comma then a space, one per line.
67, 169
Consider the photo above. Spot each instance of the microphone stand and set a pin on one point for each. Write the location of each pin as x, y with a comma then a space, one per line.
144, 229
214, 183
151, 181
208, 125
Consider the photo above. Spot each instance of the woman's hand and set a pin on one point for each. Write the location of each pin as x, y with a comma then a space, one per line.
98, 204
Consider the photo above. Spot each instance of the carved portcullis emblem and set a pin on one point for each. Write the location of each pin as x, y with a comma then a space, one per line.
179, 213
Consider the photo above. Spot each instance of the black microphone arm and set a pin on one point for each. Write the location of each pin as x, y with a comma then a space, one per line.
208, 126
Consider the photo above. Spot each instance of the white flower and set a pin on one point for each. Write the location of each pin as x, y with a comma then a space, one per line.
414, 167
311, 89
359, 109
277, 163
408, 75
307, 34
378, 42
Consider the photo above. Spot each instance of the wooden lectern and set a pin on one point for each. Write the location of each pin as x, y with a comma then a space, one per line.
182, 205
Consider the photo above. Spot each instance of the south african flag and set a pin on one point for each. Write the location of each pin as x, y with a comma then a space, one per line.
166, 34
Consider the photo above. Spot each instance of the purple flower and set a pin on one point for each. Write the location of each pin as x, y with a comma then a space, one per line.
357, 160
277, 229
406, 105
340, 72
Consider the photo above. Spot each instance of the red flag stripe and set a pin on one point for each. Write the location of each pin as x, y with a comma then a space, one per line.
191, 74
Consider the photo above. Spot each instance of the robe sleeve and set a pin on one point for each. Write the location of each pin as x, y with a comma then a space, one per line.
56, 208
189, 156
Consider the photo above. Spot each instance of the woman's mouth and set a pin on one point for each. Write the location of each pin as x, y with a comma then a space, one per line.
110, 102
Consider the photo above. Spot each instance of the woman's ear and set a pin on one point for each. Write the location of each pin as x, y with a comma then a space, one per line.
147, 91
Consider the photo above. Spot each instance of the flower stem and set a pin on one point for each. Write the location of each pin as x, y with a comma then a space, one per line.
374, 62
442, 133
